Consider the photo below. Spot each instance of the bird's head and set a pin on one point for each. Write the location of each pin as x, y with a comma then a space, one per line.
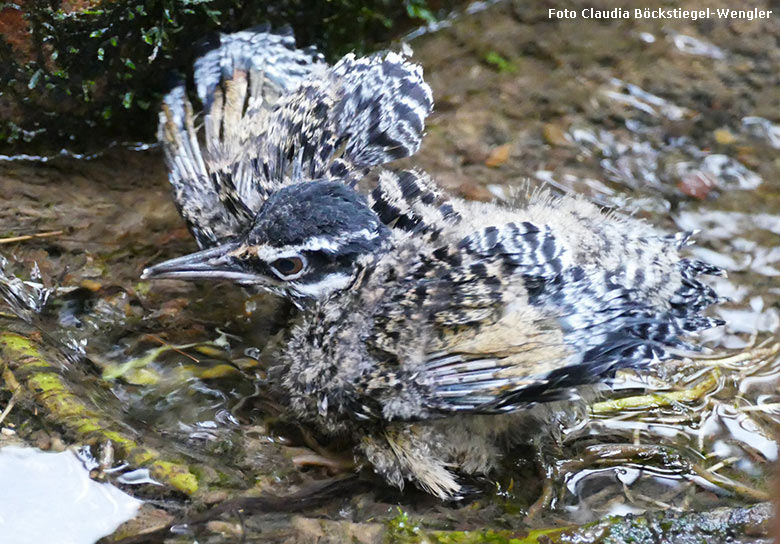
308, 241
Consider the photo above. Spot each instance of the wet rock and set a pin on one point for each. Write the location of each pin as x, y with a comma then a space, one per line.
148, 519
498, 156
555, 135
317, 531
697, 184
475, 191
225, 529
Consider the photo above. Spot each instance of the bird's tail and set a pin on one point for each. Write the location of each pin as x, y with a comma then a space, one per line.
270, 59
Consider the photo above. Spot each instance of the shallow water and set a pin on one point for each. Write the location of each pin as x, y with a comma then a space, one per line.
674, 122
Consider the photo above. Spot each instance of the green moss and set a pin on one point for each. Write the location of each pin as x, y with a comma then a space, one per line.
175, 475
658, 527
24, 366
21, 347
401, 530
659, 400
500, 63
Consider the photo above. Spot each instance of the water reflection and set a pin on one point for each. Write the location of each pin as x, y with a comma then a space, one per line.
763, 129
719, 439
646, 153
697, 46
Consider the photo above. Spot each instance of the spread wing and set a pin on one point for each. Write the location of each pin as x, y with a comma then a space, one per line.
275, 114
238, 84
516, 315
361, 113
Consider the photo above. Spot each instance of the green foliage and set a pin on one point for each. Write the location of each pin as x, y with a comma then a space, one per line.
418, 9
91, 74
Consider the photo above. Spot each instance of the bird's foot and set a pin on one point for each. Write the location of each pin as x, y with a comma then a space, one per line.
330, 461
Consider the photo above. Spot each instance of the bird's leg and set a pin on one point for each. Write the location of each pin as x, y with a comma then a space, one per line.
322, 457
333, 463
549, 475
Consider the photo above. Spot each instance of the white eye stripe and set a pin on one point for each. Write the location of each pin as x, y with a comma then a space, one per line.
317, 243
325, 286
269, 254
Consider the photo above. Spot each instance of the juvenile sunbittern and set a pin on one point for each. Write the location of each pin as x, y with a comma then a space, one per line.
427, 324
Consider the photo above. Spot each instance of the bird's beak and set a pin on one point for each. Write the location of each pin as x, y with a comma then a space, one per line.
215, 263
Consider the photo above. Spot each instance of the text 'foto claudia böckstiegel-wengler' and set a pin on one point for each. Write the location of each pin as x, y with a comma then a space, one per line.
659, 13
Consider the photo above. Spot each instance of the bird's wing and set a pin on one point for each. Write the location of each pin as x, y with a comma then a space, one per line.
361, 113
507, 317
275, 114
462, 331
197, 189
239, 83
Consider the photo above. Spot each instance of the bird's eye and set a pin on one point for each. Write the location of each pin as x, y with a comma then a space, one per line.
288, 267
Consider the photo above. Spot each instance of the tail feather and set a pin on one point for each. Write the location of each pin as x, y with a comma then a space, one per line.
239, 83
277, 65
608, 325
599, 315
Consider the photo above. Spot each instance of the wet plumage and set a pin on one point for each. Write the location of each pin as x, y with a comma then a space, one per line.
275, 115
427, 324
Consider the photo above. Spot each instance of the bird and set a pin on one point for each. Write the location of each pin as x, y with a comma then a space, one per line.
428, 326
